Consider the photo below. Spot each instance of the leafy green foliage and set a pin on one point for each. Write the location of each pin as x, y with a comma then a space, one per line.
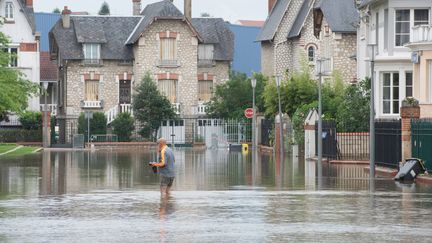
98, 124
233, 97
151, 107
56, 10
15, 89
105, 9
31, 120
123, 126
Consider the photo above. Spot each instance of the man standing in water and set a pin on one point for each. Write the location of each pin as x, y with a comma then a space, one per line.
166, 167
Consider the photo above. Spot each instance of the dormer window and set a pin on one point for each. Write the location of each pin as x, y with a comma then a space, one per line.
91, 53
9, 11
205, 54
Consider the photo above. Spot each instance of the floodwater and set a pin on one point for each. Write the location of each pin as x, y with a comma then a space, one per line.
112, 196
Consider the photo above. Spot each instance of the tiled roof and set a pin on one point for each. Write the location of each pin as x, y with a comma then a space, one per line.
48, 68
29, 14
273, 21
300, 19
341, 15
366, 2
216, 31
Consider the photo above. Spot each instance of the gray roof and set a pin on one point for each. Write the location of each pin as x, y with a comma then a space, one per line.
366, 2
163, 9
300, 19
341, 15
29, 14
216, 31
273, 20
112, 48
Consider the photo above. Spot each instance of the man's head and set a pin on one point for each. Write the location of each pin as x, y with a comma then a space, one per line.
161, 142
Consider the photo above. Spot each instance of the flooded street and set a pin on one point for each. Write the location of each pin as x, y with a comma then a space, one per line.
113, 196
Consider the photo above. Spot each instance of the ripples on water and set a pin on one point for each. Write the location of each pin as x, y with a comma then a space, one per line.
113, 196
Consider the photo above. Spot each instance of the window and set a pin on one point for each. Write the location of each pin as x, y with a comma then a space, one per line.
168, 50
92, 53
205, 52
408, 84
311, 53
169, 89
205, 90
9, 11
91, 90
405, 20
390, 93
13, 52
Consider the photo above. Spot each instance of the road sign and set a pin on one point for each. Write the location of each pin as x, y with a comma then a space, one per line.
249, 112
88, 115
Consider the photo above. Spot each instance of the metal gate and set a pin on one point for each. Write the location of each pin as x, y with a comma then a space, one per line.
218, 133
329, 139
388, 143
266, 128
173, 130
421, 132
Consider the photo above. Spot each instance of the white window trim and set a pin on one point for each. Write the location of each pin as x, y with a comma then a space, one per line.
381, 92
98, 51
17, 53
12, 9
411, 24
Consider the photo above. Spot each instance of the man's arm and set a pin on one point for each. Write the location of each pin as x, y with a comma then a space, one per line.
162, 162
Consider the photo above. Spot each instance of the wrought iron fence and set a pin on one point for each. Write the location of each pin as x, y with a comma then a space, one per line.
421, 132
103, 138
388, 143
266, 132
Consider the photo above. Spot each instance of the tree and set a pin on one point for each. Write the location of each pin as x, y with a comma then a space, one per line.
31, 120
98, 124
104, 10
151, 107
123, 126
56, 10
205, 15
15, 89
233, 97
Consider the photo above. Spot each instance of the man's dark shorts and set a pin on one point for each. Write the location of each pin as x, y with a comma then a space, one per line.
166, 181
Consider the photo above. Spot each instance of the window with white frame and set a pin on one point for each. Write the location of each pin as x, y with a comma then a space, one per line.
92, 53
205, 52
168, 49
205, 88
408, 84
13, 56
9, 11
168, 88
390, 93
311, 53
91, 90
405, 20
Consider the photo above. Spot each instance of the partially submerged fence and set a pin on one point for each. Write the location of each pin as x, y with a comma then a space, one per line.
421, 132
388, 143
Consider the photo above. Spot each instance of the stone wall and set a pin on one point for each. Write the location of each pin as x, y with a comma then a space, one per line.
147, 58
267, 58
220, 70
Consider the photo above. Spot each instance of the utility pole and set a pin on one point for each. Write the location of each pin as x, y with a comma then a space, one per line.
372, 117
278, 84
320, 72
253, 82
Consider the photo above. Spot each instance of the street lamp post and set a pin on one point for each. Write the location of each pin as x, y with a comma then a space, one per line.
45, 114
320, 73
372, 117
254, 143
278, 84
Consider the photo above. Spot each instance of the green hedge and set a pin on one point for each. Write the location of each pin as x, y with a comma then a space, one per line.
20, 135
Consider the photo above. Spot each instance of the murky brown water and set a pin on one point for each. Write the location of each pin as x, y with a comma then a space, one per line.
112, 196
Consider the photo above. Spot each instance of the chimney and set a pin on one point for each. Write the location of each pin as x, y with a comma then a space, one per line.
271, 4
136, 7
29, 3
188, 9
66, 17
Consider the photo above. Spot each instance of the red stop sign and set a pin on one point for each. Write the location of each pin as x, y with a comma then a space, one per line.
249, 112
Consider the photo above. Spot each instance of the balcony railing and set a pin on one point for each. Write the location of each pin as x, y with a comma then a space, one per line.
89, 104
206, 62
126, 108
50, 107
168, 63
176, 107
421, 33
201, 109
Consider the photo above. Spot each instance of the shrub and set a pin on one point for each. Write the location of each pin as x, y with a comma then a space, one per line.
31, 120
98, 124
20, 135
123, 126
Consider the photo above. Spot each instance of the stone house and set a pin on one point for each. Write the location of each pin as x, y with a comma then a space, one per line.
19, 24
299, 32
101, 59
398, 29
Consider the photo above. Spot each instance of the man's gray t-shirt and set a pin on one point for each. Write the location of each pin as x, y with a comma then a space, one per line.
167, 158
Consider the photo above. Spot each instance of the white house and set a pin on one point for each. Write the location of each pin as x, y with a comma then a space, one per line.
389, 24
19, 25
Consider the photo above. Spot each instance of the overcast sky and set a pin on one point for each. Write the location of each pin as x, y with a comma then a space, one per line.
231, 10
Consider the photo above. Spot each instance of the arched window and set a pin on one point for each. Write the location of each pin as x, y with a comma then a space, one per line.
311, 53
9, 11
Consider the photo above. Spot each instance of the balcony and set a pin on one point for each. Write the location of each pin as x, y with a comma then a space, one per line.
168, 63
51, 108
176, 107
206, 63
92, 104
126, 108
420, 35
201, 109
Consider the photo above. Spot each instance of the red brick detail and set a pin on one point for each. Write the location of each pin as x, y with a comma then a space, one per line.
406, 138
66, 10
121, 76
28, 47
309, 127
136, 1
168, 34
166, 76
29, 3
202, 77
88, 76
406, 124
410, 112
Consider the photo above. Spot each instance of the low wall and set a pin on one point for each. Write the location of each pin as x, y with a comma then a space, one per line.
353, 145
